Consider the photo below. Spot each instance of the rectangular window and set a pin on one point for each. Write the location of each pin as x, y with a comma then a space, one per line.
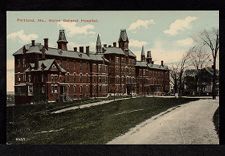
18, 76
55, 89
43, 89
80, 78
74, 89
42, 78
80, 67
30, 90
52, 78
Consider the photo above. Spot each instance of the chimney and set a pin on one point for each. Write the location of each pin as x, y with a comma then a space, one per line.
46, 43
161, 63
109, 46
149, 54
33, 42
75, 49
81, 49
105, 45
114, 44
87, 50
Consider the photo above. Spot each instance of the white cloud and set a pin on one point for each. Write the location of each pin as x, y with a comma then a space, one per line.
140, 23
21, 36
160, 51
185, 42
73, 29
180, 25
137, 43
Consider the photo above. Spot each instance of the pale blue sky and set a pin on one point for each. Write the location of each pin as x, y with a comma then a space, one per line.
168, 34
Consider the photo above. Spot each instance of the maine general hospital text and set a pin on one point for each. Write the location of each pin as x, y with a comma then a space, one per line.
56, 20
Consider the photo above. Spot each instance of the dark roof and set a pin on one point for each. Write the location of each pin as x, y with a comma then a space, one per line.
150, 65
58, 52
210, 70
117, 50
123, 35
62, 36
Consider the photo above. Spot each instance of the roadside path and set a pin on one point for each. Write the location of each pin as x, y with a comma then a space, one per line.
190, 123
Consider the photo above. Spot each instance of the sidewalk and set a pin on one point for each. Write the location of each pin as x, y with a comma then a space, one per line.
88, 105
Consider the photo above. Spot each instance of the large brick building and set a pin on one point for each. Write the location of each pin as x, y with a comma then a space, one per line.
59, 74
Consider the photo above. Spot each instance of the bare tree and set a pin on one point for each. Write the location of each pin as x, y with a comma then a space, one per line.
174, 76
210, 39
199, 58
177, 73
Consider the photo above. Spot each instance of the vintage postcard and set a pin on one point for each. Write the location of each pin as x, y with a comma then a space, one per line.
112, 77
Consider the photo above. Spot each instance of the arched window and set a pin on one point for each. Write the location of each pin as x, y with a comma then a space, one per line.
80, 78
74, 77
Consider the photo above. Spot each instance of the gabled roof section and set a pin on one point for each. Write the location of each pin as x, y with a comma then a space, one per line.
117, 50
30, 49
45, 65
157, 66
141, 64
98, 57
113, 50
123, 35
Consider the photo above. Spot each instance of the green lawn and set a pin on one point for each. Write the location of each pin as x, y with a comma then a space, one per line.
94, 125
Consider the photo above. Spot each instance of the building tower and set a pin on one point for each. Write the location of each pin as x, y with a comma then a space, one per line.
149, 57
123, 40
98, 45
142, 54
62, 42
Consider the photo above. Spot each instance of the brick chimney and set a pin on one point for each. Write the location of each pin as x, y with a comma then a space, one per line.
162, 63
33, 42
46, 43
114, 44
81, 49
75, 49
87, 50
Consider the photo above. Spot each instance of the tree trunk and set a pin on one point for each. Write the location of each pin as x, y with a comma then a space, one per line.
175, 85
214, 79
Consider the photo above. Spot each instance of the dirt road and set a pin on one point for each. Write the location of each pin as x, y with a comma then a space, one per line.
190, 123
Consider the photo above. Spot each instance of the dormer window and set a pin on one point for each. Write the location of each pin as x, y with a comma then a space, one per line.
19, 78
60, 51
29, 78
24, 63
